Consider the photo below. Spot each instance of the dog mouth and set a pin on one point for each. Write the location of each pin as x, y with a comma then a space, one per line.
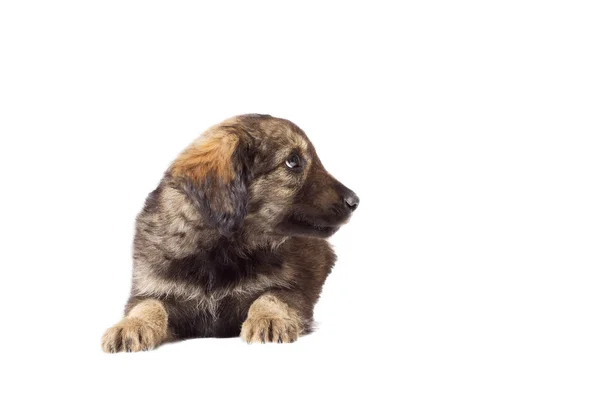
295, 225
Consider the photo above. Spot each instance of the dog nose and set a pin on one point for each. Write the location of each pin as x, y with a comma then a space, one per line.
352, 201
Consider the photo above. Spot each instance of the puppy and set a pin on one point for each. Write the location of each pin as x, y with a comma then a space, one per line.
233, 240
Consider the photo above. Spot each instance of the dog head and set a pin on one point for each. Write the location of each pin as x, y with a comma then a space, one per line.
257, 173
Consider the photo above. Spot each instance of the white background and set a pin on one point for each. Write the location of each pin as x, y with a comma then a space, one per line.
470, 130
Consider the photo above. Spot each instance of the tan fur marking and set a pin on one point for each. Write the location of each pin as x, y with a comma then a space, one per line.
208, 155
144, 328
270, 320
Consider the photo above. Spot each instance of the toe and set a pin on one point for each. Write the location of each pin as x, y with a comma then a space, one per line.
111, 341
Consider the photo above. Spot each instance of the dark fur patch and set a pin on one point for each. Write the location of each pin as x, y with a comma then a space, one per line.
221, 266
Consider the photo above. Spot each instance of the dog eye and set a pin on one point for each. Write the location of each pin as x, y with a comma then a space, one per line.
293, 161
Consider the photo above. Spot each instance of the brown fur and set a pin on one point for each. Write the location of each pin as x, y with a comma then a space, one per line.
233, 240
208, 156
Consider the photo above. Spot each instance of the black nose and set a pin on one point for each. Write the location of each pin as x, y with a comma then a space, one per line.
352, 201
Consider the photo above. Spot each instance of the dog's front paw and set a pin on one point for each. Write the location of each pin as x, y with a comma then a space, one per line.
130, 335
271, 320
270, 329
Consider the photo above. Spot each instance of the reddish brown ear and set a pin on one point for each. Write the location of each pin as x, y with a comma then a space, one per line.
211, 173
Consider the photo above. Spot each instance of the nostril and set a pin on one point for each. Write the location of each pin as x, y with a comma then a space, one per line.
352, 201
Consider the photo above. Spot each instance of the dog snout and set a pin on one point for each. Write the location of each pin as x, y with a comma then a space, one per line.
350, 198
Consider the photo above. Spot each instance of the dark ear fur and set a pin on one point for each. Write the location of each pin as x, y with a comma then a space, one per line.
213, 174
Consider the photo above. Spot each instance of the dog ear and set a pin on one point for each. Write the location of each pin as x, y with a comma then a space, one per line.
213, 175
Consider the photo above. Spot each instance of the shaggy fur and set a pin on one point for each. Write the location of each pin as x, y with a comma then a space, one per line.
232, 241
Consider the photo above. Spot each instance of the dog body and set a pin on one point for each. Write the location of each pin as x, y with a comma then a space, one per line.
233, 240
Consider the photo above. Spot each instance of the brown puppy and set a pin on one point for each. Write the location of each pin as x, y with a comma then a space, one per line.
232, 241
